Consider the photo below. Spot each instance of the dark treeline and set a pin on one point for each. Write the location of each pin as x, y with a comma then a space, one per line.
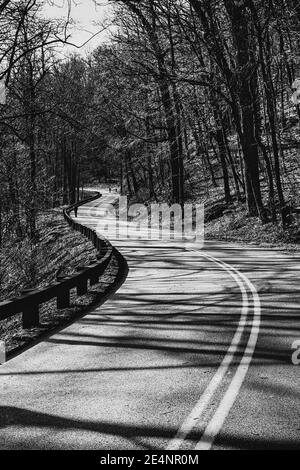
191, 99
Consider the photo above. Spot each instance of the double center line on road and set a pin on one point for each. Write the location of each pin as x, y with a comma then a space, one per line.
250, 302
215, 424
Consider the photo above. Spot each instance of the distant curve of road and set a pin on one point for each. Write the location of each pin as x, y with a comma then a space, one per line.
192, 352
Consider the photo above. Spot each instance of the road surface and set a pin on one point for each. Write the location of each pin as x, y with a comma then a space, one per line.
192, 352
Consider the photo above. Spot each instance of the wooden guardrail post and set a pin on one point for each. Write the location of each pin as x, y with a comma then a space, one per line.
28, 304
94, 278
30, 316
82, 288
63, 299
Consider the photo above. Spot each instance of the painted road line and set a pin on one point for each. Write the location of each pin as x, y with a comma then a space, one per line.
197, 412
215, 425
230, 396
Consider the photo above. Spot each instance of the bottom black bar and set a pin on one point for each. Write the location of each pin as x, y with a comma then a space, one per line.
135, 459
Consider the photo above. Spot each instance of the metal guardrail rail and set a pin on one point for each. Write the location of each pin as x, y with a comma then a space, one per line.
29, 301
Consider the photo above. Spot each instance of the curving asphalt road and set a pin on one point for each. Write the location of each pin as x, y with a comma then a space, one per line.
192, 352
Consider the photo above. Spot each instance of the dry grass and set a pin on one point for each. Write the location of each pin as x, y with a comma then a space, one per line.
24, 266
236, 226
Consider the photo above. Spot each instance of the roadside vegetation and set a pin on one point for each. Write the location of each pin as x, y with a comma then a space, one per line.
189, 100
24, 266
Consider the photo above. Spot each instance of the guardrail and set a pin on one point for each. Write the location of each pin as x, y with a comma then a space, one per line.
30, 299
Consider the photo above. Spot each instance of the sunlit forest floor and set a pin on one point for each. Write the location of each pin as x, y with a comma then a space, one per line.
236, 226
23, 266
230, 222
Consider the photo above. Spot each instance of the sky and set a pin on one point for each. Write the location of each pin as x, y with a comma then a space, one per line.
88, 19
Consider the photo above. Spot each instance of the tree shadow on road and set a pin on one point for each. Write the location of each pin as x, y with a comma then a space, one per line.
21, 418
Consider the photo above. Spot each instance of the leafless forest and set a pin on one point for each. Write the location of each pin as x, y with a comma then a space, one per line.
190, 100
